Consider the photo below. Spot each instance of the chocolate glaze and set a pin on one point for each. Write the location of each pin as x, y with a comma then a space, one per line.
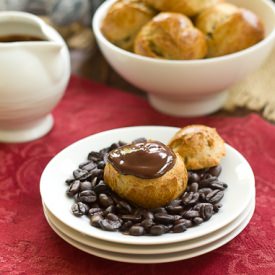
145, 160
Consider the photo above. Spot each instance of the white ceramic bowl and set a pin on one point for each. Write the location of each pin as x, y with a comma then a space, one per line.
189, 88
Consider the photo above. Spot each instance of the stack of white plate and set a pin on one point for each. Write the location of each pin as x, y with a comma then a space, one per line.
233, 217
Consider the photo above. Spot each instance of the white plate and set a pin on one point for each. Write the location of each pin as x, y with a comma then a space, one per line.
152, 249
157, 258
236, 173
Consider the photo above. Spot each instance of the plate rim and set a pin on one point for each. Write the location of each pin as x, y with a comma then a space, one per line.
171, 258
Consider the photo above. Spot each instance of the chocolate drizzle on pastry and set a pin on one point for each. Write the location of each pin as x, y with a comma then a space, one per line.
145, 160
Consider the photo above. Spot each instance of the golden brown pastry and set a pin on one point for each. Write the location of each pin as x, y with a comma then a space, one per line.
149, 174
229, 29
171, 36
187, 7
123, 21
199, 146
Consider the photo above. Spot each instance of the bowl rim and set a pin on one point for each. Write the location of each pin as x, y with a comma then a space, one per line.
100, 12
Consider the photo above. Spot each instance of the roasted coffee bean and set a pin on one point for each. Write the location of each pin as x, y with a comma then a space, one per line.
96, 220
205, 191
157, 229
101, 187
114, 146
194, 187
215, 196
110, 209
110, 225
96, 173
74, 188
147, 214
207, 182
136, 230
206, 211
191, 214
132, 218
147, 223
164, 218
197, 220
79, 209
187, 223
112, 217
101, 164
87, 196
95, 210
193, 177
178, 228
159, 210
79, 173
85, 185
217, 185
69, 181
198, 206
174, 209
94, 182
126, 206
95, 156
190, 198
105, 200
126, 225
215, 171
89, 166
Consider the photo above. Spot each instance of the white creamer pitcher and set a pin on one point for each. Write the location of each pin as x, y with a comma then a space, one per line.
33, 76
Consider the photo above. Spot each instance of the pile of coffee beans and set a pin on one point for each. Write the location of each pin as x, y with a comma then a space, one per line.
109, 212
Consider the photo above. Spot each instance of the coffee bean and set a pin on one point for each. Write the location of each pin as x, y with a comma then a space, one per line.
110, 209
131, 218
159, 210
194, 187
126, 206
216, 207
164, 218
147, 223
79, 209
89, 166
215, 196
217, 185
95, 210
114, 146
74, 188
126, 225
112, 217
178, 228
147, 214
87, 196
79, 173
96, 220
110, 225
95, 156
101, 164
198, 206
101, 187
136, 230
215, 171
85, 185
157, 229
198, 220
193, 177
174, 209
207, 182
139, 140
69, 181
206, 211
191, 214
205, 191
190, 198
187, 223
105, 200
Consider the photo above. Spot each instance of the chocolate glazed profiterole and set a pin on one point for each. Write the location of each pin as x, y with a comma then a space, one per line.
148, 174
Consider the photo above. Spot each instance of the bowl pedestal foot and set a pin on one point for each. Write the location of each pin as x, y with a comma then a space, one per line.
189, 108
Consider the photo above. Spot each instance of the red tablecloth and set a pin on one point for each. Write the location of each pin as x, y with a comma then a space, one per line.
29, 246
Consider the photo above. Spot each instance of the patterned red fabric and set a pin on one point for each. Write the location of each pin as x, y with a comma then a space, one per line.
29, 246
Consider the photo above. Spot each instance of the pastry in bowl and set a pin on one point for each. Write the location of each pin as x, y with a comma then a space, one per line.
187, 7
149, 174
171, 36
229, 29
123, 21
199, 146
